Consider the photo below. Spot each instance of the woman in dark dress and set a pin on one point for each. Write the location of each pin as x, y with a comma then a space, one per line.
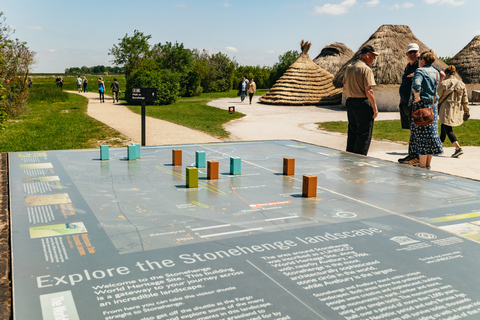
424, 140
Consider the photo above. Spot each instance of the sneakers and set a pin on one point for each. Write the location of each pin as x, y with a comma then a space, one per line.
406, 159
411, 160
457, 153
414, 162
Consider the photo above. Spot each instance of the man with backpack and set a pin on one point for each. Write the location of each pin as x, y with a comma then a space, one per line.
115, 89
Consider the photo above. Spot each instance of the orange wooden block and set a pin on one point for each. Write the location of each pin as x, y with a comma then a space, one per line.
177, 157
212, 170
288, 166
309, 188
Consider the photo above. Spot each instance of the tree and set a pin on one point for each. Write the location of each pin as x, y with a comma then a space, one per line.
284, 62
149, 75
219, 71
178, 59
259, 74
445, 59
17, 61
131, 50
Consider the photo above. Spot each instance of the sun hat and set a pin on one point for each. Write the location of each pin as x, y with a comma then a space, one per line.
412, 47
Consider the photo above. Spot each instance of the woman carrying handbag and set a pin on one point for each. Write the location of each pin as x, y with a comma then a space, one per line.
424, 139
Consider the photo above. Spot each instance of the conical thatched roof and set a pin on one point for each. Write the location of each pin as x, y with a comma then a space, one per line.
467, 62
333, 57
391, 42
304, 83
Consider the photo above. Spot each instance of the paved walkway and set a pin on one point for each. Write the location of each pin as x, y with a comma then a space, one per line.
158, 132
266, 122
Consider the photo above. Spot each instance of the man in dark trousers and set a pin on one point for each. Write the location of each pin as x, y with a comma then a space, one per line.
361, 106
413, 52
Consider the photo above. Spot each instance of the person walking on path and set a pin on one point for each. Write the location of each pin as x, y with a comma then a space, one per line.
59, 81
361, 105
251, 88
85, 84
79, 84
242, 89
424, 140
115, 89
452, 107
101, 89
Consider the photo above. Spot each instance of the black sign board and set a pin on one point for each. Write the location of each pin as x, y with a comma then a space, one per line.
231, 110
144, 94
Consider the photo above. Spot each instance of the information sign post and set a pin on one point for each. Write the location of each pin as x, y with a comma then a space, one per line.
143, 95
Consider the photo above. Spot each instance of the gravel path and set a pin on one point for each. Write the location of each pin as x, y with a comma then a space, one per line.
158, 132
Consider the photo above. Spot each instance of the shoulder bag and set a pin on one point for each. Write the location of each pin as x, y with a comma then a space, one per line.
425, 116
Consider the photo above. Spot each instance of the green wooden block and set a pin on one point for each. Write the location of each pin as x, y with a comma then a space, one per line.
132, 152
192, 177
104, 154
137, 149
200, 159
235, 165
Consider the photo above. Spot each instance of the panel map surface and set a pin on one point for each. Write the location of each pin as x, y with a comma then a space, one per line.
120, 239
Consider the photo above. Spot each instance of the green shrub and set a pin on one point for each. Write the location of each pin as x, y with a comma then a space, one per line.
3, 119
148, 75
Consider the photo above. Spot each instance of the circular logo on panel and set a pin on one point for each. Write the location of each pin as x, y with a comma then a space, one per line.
346, 215
425, 235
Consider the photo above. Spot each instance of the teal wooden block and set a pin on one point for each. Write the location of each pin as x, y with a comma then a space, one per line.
235, 165
104, 154
137, 150
132, 152
192, 177
200, 159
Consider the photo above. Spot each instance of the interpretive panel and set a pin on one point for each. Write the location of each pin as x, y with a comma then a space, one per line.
119, 239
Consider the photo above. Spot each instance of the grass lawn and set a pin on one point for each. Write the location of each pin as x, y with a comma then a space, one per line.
467, 133
56, 120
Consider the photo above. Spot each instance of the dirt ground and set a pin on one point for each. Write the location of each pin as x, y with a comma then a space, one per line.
5, 262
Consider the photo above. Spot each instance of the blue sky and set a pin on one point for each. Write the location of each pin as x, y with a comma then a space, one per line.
76, 33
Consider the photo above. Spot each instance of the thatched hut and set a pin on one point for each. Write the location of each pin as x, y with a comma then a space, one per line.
467, 64
304, 83
333, 57
390, 41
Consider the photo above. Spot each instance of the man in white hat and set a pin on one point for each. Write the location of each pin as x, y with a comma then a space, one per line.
413, 52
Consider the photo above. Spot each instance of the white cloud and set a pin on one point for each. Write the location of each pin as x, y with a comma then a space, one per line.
181, 5
451, 2
232, 49
227, 4
372, 3
51, 50
405, 5
335, 9
34, 28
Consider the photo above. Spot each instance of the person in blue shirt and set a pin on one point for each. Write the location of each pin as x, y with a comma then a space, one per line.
424, 140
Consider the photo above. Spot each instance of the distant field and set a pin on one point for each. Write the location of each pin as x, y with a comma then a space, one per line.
70, 82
